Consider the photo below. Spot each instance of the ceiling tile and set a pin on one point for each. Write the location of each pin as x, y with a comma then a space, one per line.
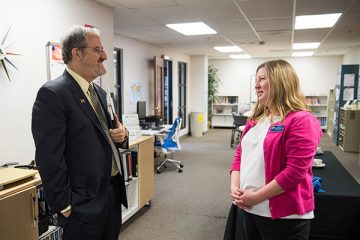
272, 24
311, 7
138, 4
167, 15
267, 9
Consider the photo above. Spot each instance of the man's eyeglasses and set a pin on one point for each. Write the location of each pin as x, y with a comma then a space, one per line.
99, 50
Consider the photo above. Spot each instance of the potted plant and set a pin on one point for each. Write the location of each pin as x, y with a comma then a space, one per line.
213, 85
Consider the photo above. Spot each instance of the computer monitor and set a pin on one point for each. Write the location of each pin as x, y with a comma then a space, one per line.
141, 109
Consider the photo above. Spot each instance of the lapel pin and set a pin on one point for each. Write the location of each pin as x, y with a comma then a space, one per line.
82, 100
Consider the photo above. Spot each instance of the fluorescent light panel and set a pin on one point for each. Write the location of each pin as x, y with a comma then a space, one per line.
310, 45
194, 28
302, 54
240, 56
316, 21
228, 49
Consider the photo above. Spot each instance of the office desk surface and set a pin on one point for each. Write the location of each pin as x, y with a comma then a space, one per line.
337, 211
20, 185
134, 142
150, 132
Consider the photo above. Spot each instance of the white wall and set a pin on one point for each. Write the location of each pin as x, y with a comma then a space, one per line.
138, 67
199, 86
317, 74
352, 56
34, 23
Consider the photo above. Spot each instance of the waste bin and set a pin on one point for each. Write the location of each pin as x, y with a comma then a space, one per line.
196, 124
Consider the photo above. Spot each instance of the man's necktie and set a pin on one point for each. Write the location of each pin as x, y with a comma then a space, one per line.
99, 111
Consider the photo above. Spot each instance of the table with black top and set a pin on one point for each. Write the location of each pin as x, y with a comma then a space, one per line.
337, 211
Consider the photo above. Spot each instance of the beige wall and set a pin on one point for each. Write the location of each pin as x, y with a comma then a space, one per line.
33, 24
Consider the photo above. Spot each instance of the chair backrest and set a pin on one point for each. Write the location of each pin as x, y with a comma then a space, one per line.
172, 139
239, 120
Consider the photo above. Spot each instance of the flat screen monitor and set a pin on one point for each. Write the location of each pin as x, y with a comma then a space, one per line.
141, 109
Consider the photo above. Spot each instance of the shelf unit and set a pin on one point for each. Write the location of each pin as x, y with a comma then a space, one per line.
349, 130
140, 188
346, 88
222, 107
318, 105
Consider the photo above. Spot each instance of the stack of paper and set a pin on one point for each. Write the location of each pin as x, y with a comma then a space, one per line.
131, 122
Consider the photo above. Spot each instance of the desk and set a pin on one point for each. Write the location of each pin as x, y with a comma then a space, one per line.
150, 132
337, 211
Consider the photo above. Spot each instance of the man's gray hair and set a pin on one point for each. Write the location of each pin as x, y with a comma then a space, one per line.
76, 38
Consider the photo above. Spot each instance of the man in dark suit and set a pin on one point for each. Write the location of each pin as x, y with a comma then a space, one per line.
77, 143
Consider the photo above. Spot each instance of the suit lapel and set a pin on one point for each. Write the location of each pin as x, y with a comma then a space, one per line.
82, 101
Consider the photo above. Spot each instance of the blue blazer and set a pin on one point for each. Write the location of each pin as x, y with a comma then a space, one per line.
73, 155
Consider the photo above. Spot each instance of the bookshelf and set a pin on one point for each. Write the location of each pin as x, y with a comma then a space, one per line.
346, 88
129, 163
318, 105
222, 107
138, 163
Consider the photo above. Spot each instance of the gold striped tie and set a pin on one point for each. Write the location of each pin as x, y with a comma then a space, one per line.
99, 111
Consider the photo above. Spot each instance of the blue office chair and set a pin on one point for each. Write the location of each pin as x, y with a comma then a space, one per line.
168, 144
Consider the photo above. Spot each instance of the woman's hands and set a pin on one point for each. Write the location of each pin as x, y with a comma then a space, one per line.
244, 199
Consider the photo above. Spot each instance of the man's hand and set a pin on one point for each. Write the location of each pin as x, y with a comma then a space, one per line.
119, 133
67, 213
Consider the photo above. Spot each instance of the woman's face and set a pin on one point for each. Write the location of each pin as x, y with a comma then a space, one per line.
262, 87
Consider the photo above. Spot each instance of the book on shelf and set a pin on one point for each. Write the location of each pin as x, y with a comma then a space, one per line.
134, 157
129, 162
128, 166
124, 164
313, 100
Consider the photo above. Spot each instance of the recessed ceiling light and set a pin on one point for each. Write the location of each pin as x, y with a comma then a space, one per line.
302, 54
316, 21
194, 28
310, 45
240, 56
228, 49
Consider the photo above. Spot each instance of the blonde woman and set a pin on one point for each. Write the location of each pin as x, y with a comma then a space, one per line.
271, 176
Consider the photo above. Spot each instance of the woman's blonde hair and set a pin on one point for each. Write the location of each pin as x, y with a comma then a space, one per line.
285, 86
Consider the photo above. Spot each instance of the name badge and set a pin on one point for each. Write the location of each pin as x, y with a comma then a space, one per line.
277, 128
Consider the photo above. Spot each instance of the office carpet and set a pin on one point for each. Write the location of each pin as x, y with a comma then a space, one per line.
193, 204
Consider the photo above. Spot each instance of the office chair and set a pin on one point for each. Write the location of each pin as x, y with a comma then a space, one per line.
239, 122
168, 144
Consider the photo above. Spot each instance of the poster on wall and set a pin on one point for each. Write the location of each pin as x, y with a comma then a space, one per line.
136, 92
54, 61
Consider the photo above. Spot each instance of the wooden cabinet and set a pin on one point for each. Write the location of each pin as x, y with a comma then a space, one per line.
19, 210
318, 105
222, 107
349, 130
